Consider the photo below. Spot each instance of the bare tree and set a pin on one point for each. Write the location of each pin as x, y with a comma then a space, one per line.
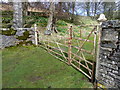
60, 7
17, 15
87, 7
51, 20
73, 11
25, 8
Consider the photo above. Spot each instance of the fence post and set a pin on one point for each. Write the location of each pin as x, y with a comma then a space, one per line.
80, 33
36, 41
69, 46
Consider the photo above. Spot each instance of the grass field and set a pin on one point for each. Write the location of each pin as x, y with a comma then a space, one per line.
33, 67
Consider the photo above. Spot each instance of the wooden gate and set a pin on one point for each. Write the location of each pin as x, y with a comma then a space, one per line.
74, 47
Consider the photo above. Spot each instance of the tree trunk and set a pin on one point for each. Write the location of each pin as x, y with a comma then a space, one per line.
17, 15
51, 20
25, 8
73, 10
88, 8
95, 9
60, 7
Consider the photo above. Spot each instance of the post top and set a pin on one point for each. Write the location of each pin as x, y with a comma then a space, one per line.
35, 25
102, 18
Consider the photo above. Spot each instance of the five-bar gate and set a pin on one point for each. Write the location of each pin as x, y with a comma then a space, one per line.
76, 47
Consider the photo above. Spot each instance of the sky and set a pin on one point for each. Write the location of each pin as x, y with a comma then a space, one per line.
62, 0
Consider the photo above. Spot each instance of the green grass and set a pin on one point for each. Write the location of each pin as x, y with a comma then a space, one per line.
33, 67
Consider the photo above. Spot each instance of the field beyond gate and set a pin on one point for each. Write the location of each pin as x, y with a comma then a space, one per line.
74, 47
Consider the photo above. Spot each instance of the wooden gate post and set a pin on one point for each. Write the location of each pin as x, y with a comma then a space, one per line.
95, 51
69, 46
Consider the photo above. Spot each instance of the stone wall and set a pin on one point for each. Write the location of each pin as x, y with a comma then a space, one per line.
108, 62
16, 34
10, 37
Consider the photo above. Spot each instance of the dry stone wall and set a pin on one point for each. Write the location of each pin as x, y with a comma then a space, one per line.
108, 63
17, 34
9, 37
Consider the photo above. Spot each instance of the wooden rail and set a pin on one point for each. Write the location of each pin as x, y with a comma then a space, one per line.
83, 50
75, 58
82, 65
81, 70
83, 39
82, 58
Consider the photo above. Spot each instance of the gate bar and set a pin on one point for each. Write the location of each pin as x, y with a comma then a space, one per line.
69, 46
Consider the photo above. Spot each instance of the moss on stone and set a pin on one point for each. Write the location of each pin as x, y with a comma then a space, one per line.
7, 12
6, 26
6, 19
25, 36
25, 43
9, 32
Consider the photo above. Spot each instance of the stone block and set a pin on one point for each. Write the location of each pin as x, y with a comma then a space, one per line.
115, 71
109, 35
117, 77
104, 64
117, 80
8, 41
105, 51
32, 32
103, 71
108, 44
114, 58
108, 69
114, 62
118, 64
111, 74
118, 29
119, 72
111, 24
109, 78
111, 62
117, 54
20, 33
115, 67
